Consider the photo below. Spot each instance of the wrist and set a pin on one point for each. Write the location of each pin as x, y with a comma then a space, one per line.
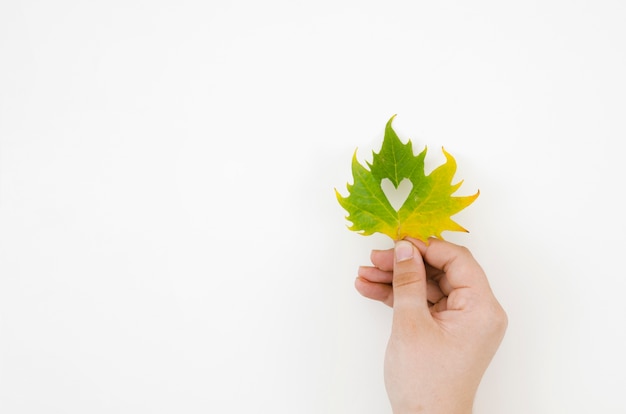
447, 407
427, 410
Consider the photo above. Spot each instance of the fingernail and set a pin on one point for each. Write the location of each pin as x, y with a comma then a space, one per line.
404, 251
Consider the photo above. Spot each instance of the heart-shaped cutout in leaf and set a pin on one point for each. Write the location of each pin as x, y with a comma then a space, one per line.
396, 196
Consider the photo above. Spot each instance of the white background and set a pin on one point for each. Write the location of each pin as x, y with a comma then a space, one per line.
169, 235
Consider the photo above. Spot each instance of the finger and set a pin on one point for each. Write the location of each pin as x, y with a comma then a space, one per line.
410, 305
433, 292
421, 246
374, 274
376, 291
432, 273
440, 306
382, 259
458, 264
444, 285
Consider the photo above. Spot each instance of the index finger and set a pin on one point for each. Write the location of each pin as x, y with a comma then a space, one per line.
458, 264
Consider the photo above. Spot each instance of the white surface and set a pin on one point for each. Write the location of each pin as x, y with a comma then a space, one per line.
169, 236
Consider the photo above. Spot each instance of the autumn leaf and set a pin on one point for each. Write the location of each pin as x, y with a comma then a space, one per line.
429, 205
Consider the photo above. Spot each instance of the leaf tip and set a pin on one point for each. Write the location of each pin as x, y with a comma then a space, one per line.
388, 126
447, 154
337, 194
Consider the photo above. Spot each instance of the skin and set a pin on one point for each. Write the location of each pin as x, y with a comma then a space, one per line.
446, 328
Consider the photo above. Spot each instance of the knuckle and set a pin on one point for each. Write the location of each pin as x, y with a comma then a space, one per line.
498, 320
407, 278
502, 319
464, 251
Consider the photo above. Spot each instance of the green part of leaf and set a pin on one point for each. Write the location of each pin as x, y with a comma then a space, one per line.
368, 207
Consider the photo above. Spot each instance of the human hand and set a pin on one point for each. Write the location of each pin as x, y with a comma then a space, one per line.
446, 327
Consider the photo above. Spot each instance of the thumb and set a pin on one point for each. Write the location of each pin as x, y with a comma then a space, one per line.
410, 305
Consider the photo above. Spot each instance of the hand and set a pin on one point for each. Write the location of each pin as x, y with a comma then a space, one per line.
446, 327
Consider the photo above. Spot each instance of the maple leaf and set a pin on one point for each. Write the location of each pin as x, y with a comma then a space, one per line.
429, 206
